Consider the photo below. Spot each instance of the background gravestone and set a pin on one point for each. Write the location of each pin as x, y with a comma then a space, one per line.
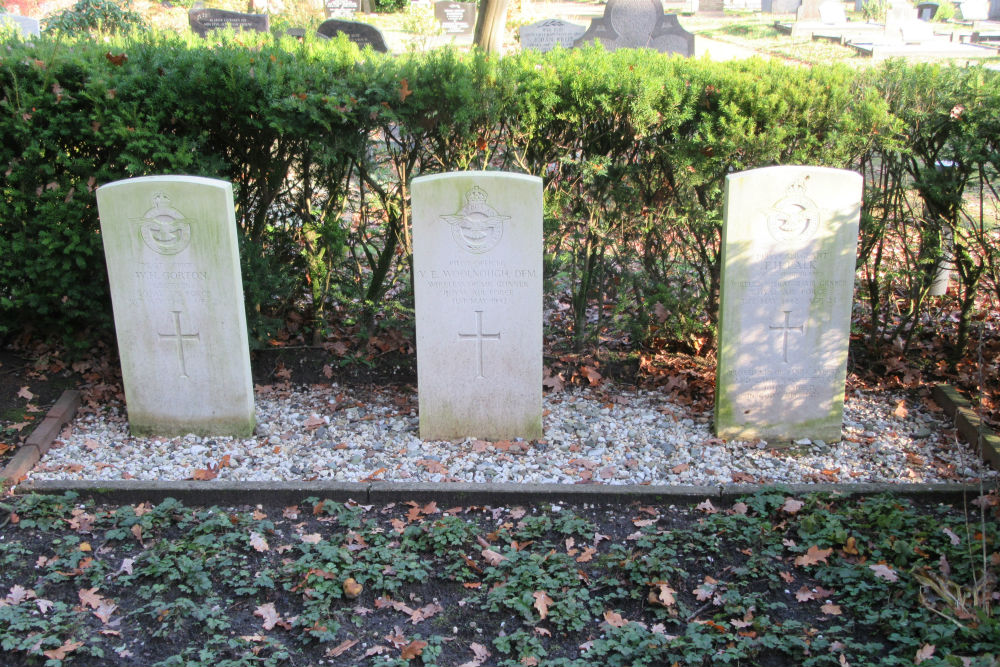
477, 266
456, 18
342, 9
361, 34
711, 7
808, 10
995, 10
173, 264
545, 35
788, 256
29, 26
203, 21
780, 6
831, 12
638, 24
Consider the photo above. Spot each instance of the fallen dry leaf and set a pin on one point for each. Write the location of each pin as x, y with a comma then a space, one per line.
26, 394
258, 542
341, 648
64, 650
269, 614
792, 505
413, 649
352, 589
884, 572
492, 557
542, 602
614, 619
924, 653
831, 609
804, 594
90, 598
812, 556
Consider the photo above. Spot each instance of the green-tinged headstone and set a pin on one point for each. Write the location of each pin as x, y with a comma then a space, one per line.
173, 264
477, 264
789, 242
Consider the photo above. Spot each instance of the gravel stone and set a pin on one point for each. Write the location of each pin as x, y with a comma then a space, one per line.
642, 439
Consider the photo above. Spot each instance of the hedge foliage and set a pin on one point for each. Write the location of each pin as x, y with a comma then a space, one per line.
321, 142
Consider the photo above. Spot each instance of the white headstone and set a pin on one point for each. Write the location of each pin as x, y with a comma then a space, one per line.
28, 25
545, 35
788, 255
832, 12
173, 264
477, 264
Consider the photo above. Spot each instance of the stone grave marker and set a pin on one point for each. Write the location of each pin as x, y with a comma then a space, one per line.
995, 10
788, 257
711, 7
361, 34
342, 9
173, 265
808, 11
638, 24
29, 26
831, 12
780, 6
974, 10
477, 265
456, 18
546, 34
203, 21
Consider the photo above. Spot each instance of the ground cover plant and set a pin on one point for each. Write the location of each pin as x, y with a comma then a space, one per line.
771, 579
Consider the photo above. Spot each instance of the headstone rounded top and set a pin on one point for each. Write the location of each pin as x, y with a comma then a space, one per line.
170, 178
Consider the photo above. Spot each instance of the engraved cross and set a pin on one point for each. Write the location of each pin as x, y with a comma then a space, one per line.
479, 336
785, 328
181, 338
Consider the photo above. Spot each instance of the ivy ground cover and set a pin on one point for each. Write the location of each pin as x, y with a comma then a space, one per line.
772, 579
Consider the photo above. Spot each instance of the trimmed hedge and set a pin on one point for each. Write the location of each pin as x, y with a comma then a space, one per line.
321, 142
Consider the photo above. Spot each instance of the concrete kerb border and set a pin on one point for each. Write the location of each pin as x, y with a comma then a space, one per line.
41, 438
453, 494
982, 439
459, 494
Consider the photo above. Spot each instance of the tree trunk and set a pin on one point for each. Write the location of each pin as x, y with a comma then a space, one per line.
490, 25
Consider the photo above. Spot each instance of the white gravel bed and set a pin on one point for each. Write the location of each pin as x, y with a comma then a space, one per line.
608, 438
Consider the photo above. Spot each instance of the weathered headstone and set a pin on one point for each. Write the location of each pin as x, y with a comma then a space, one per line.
831, 12
477, 265
974, 10
780, 6
361, 34
456, 18
995, 10
545, 35
173, 265
203, 21
711, 7
808, 10
788, 253
28, 26
638, 24
342, 9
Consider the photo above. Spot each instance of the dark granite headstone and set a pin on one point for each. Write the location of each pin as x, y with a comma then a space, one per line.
995, 10
204, 21
361, 34
545, 35
638, 24
808, 10
926, 10
342, 8
456, 18
779, 6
